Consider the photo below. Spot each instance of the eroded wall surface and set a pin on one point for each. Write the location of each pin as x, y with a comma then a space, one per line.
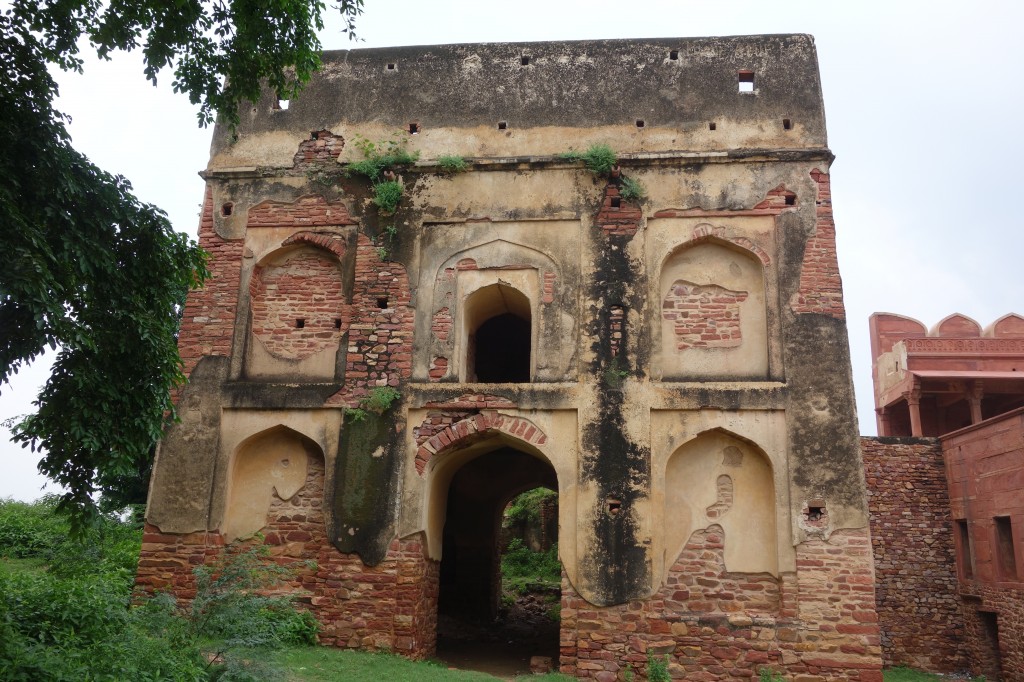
687, 376
915, 563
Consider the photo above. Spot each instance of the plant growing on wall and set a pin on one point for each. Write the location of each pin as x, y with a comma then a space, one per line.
451, 163
378, 401
600, 159
381, 158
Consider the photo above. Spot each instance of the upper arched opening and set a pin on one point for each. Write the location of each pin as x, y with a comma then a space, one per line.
499, 330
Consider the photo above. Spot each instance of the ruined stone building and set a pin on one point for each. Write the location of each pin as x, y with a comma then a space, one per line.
661, 340
946, 484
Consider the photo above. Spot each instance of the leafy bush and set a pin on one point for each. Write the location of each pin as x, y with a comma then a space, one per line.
387, 194
522, 569
30, 530
632, 190
378, 401
657, 668
75, 620
525, 507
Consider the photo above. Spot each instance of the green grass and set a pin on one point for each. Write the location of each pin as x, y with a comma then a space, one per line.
31, 565
325, 664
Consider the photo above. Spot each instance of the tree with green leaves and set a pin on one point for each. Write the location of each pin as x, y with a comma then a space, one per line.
91, 272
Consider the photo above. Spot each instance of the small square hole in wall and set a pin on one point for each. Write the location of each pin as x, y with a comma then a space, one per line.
391, 67
712, 126
337, 323
787, 124
227, 209
282, 104
382, 303
502, 125
815, 510
300, 323
746, 81
613, 506
414, 128
525, 60
673, 54
640, 123
616, 202
790, 200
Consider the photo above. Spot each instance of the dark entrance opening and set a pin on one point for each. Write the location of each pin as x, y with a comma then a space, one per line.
498, 324
479, 627
989, 656
503, 350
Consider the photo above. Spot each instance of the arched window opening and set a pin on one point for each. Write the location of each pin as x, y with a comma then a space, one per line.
499, 336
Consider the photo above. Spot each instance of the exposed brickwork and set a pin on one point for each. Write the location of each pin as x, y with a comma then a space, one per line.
707, 232
616, 327
488, 420
312, 210
438, 369
208, 323
380, 335
623, 219
474, 402
298, 306
704, 316
985, 467
779, 199
749, 621
323, 146
391, 606
330, 241
441, 324
915, 564
821, 288
548, 295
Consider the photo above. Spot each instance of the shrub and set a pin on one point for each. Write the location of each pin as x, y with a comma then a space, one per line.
387, 194
452, 163
599, 159
632, 190
657, 668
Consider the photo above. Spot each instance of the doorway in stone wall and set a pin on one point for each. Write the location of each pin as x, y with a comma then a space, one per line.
501, 513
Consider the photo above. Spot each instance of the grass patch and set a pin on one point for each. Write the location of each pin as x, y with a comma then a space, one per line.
325, 664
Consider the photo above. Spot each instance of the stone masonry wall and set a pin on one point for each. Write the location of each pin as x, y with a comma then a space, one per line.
821, 288
915, 562
749, 621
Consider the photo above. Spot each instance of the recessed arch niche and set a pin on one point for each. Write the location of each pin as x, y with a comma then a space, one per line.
273, 464
719, 478
298, 312
712, 316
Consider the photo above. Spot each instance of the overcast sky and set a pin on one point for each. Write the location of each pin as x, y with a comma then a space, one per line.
923, 101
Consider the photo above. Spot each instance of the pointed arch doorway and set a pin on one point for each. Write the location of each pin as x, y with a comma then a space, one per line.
479, 625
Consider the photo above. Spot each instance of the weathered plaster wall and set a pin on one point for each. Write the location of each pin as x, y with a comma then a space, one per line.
711, 497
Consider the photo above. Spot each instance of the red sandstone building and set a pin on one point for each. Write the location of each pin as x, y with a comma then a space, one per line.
948, 512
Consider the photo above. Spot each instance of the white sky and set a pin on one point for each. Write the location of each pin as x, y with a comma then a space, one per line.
923, 101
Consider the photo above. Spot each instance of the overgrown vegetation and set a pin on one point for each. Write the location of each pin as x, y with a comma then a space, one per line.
524, 570
381, 158
909, 675
378, 401
769, 675
526, 507
69, 616
599, 159
451, 163
657, 668
632, 190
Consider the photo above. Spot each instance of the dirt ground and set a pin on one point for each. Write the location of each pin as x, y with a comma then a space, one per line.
502, 648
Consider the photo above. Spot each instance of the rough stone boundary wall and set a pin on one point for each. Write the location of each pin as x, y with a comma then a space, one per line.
820, 626
915, 562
